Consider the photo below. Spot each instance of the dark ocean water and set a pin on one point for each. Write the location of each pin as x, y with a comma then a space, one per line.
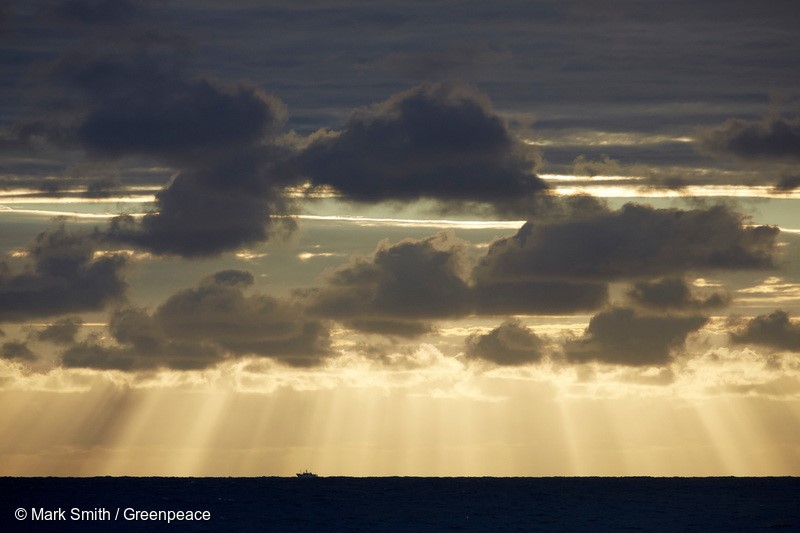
404, 504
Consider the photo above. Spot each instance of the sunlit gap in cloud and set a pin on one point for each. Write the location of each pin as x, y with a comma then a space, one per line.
23, 197
307, 190
407, 222
605, 138
110, 207
773, 290
571, 177
305, 256
621, 191
249, 255
69, 214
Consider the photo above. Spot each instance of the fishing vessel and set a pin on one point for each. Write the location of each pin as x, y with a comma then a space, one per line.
305, 474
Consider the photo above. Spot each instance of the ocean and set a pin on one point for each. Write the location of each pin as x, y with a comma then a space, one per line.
400, 504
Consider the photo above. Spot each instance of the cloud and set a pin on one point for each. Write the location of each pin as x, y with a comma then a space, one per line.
226, 191
542, 207
772, 139
63, 277
218, 311
222, 207
537, 297
402, 288
636, 241
177, 118
775, 330
142, 343
91, 354
436, 141
779, 387
673, 294
399, 287
134, 97
623, 336
787, 183
605, 166
200, 327
392, 327
62, 331
449, 63
110, 12
17, 350
511, 343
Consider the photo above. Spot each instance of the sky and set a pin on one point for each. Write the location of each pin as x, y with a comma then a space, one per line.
441, 238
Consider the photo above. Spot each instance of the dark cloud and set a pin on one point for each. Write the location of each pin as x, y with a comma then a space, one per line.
221, 207
141, 345
110, 12
603, 166
392, 327
134, 97
775, 330
673, 294
176, 117
405, 286
448, 63
91, 354
61, 331
199, 327
399, 287
623, 336
544, 207
537, 297
541, 207
147, 345
218, 311
230, 278
226, 191
221, 204
634, 242
787, 183
438, 141
103, 188
510, 344
772, 139
135, 327
689, 68
63, 276
17, 350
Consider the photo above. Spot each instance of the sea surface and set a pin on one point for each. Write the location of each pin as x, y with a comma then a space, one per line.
400, 504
